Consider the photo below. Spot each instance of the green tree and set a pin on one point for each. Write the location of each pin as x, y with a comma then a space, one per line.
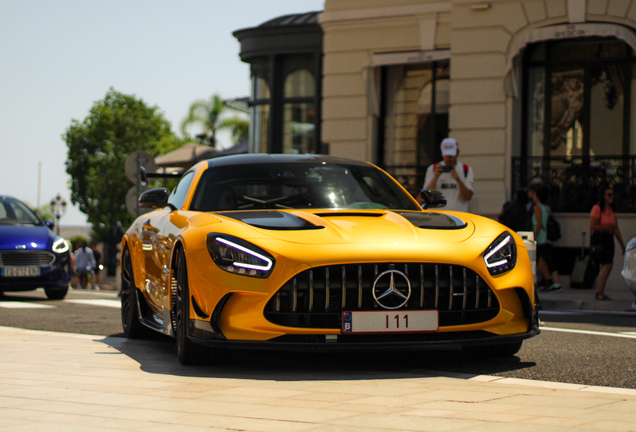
98, 147
208, 115
45, 212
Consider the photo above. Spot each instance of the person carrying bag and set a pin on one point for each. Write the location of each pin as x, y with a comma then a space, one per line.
604, 227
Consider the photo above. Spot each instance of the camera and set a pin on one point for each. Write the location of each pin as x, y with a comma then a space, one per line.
447, 168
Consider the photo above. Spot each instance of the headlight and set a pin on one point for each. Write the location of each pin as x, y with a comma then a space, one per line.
501, 255
238, 256
60, 245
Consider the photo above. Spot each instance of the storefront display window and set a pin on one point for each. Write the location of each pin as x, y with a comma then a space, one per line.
299, 122
416, 119
579, 134
585, 101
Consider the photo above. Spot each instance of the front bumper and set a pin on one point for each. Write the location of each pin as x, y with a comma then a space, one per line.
203, 333
56, 274
435, 341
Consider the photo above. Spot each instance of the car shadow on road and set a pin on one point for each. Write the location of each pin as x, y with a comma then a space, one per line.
158, 355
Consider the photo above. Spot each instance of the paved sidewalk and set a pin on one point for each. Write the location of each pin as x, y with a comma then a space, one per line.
583, 299
68, 382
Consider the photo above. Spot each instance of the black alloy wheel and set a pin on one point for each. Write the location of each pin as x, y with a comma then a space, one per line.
56, 293
133, 329
189, 353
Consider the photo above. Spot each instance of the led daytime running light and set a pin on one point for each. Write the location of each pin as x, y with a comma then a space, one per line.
60, 246
494, 251
249, 252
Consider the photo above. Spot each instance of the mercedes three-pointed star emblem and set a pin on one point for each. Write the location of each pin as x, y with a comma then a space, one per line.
396, 295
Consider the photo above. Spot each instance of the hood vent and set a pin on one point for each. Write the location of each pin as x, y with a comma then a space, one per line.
426, 220
272, 220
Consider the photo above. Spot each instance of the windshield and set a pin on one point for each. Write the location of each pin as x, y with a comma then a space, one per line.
13, 212
298, 186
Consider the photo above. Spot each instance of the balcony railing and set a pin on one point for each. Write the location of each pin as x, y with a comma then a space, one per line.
574, 184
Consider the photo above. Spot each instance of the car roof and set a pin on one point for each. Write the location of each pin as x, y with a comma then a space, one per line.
262, 158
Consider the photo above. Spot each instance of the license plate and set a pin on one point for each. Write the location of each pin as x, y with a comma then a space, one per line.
20, 271
390, 321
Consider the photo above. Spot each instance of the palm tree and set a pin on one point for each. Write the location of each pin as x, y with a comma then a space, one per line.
207, 114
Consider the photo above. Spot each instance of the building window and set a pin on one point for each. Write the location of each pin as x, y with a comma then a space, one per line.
260, 113
299, 116
578, 133
414, 119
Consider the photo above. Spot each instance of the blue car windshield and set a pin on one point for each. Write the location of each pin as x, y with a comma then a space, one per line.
14, 212
298, 186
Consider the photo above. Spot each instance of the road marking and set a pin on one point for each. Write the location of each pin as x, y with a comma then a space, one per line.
98, 302
591, 332
628, 333
22, 305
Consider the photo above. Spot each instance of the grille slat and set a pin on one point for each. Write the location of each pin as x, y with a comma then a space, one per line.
327, 291
465, 291
299, 301
26, 258
436, 286
452, 290
359, 286
311, 290
344, 287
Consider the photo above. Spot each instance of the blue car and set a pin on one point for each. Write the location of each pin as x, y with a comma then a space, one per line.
31, 255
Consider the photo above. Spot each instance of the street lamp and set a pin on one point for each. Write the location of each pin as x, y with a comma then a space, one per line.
58, 207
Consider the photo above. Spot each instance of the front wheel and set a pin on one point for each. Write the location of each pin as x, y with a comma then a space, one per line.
499, 350
133, 329
55, 293
189, 353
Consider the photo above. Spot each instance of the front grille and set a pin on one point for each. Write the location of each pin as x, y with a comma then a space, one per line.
26, 258
317, 297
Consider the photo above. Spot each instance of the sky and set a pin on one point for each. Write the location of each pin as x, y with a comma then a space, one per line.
59, 57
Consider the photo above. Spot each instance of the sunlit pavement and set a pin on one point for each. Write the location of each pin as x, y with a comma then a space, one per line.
68, 382
583, 299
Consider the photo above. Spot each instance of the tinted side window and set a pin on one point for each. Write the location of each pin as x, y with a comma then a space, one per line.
178, 195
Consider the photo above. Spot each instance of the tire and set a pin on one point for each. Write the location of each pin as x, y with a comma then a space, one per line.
55, 293
499, 350
133, 328
188, 352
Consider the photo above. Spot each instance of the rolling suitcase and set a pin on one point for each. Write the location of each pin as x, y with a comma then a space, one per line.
585, 270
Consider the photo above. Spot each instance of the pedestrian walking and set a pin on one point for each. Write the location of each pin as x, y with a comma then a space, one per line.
604, 227
98, 265
451, 177
545, 257
514, 214
84, 263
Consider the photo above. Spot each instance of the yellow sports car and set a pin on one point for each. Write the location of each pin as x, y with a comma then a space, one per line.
318, 252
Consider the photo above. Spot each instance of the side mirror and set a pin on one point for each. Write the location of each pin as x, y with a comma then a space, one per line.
432, 199
154, 198
49, 224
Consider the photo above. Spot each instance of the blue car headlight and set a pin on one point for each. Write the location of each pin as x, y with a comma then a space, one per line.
60, 245
238, 256
501, 255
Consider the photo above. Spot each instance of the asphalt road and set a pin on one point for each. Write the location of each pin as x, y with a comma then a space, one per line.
579, 348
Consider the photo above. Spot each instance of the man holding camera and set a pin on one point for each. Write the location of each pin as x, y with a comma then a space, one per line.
451, 177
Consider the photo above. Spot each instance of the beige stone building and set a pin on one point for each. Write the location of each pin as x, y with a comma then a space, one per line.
533, 90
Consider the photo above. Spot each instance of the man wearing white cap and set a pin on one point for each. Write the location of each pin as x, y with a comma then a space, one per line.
453, 178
